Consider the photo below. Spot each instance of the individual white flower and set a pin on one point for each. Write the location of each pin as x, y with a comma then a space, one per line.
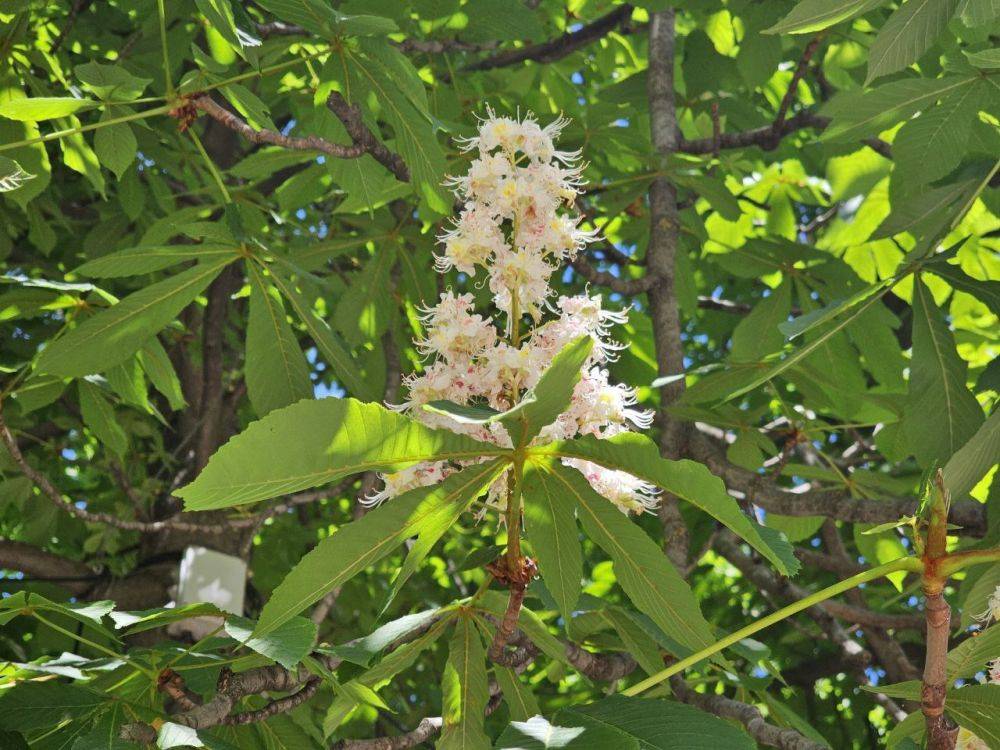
523, 273
628, 493
404, 480
453, 331
600, 408
474, 239
992, 613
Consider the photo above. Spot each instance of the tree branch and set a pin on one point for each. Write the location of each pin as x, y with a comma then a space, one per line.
363, 141
557, 49
836, 504
747, 715
661, 265
76, 577
354, 124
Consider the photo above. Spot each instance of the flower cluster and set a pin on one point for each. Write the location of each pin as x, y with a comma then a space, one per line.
515, 226
968, 740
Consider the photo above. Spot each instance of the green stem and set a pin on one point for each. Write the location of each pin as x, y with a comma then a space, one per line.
85, 128
951, 564
265, 71
904, 563
166, 52
95, 646
226, 197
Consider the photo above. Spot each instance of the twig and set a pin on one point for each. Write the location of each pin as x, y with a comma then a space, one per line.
307, 143
557, 49
791, 92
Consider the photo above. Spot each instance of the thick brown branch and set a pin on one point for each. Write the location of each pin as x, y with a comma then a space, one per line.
75, 577
747, 715
353, 120
557, 49
832, 503
661, 256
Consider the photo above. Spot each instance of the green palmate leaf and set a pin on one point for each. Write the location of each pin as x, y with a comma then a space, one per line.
518, 696
113, 335
972, 461
745, 381
759, 334
978, 12
149, 258
360, 544
330, 345
386, 74
364, 311
276, 372
811, 320
287, 644
644, 572
928, 212
859, 114
930, 146
160, 371
465, 690
36, 705
362, 650
638, 455
99, 417
977, 708
446, 506
158, 617
814, 15
111, 81
550, 523
540, 406
619, 723
941, 414
908, 34
971, 655
986, 291
115, 143
399, 660
44, 108
311, 443
988, 59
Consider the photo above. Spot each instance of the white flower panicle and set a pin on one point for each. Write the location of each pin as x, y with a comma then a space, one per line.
514, 226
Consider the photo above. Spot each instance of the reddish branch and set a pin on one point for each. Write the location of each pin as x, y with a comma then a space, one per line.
942, 732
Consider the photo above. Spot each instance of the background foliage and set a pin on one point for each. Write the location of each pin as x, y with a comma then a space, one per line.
213, 209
